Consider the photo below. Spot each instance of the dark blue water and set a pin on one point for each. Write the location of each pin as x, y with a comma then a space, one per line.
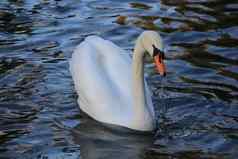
198, 106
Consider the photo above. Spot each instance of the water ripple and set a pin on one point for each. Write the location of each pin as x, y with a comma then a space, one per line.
198, 112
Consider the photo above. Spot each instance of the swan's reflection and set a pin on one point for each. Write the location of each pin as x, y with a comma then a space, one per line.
97, 141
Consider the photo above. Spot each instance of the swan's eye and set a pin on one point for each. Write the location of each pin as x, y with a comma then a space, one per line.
157, 51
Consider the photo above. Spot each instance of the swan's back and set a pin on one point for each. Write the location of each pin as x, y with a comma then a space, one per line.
102, 77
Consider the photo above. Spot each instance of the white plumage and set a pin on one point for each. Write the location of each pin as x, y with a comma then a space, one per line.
111, 86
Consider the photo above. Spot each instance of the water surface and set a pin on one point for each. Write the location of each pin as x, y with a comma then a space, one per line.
39, 115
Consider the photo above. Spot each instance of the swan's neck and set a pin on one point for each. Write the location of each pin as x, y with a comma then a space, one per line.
138, 88
141, 113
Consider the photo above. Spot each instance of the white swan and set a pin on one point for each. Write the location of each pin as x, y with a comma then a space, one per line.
110, 86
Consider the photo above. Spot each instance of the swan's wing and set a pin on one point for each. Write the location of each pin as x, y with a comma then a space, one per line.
102, 76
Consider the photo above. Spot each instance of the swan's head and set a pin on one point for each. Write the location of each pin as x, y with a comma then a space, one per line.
152, 43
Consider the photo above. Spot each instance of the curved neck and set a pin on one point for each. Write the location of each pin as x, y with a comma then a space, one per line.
138, 87
142, 117
141, 113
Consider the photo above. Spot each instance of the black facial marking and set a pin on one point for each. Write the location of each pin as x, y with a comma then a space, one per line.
157, 51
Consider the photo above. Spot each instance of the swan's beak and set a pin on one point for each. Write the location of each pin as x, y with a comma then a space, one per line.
160, 66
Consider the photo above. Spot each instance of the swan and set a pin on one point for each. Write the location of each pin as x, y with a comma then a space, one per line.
110, 85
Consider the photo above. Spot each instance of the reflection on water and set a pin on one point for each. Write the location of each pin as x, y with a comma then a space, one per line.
97, 141
198, 114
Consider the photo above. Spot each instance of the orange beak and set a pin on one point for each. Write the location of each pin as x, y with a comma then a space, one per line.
159, 63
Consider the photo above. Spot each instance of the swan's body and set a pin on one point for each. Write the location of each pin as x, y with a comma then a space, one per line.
111, 86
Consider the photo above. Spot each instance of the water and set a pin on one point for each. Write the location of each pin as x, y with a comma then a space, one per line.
199, 108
